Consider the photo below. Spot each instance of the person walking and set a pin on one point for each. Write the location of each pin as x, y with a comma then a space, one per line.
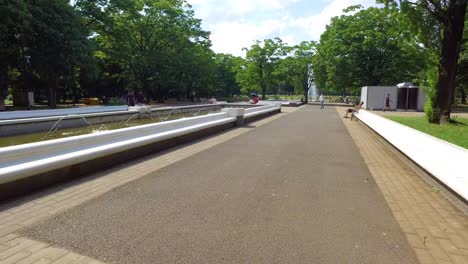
322, 100
387, 103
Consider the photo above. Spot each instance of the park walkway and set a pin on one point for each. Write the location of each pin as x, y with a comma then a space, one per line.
292, 188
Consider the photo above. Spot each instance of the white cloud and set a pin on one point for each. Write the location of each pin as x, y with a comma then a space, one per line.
235, 24
313, 26
232, 37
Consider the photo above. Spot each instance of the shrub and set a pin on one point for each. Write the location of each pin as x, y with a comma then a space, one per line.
432, 113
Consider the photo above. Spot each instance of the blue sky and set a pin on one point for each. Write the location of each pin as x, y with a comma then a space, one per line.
235, 24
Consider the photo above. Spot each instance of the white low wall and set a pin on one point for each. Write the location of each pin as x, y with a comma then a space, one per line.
22, 161
60, 112
445, 161
119, 110
66, 117
254, 111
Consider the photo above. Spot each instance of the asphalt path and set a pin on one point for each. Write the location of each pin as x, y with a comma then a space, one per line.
294, 190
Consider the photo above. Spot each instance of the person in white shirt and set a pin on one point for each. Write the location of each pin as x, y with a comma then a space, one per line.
322, 100
213, 100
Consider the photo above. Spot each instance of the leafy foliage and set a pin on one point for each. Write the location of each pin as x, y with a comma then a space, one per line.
98, 48
108, 47
294, 71
440, 26
462, 73
370, 47
261, 60
46, 48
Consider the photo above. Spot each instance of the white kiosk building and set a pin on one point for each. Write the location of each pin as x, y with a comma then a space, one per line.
403, 97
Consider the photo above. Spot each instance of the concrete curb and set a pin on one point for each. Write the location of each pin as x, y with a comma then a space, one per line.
443, 160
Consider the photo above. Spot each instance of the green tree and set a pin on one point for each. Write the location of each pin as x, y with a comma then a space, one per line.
462, 75
371, 47
195, 72
15, 20
301, 66
448, 18
42, 40
247, 76
157, 43
58, 43
284, 74
261, 59
293, 72
226, 68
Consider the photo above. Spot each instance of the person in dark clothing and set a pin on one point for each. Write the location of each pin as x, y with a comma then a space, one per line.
131, 99
140, 98
387, 103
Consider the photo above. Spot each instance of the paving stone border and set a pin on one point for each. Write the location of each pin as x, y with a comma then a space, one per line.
436, 230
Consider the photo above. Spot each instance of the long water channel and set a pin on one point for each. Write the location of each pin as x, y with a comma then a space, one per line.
92, 128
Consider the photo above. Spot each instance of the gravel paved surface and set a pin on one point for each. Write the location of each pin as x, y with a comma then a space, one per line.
293, 191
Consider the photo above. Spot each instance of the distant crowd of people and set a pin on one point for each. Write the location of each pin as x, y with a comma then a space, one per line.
132, 99
357, 106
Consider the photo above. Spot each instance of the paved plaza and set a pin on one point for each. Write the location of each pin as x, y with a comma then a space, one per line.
302, 186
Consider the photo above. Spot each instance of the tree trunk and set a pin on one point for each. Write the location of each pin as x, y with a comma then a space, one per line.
158, 93
263, 90
73, 84
3, 88
52, 96
306, 92
463, 96
451, 44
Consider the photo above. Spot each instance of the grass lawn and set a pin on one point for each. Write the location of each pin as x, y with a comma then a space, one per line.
455, 132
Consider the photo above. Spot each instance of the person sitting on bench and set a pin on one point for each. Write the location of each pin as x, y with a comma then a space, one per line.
354, 110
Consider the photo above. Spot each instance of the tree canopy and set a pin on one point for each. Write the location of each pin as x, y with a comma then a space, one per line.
370, 47
261, 60
64, 50
440, 25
